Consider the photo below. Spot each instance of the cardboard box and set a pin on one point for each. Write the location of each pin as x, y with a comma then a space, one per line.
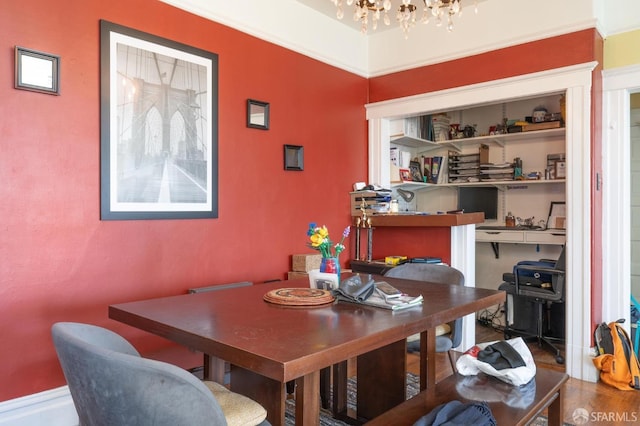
306, 262
292, 275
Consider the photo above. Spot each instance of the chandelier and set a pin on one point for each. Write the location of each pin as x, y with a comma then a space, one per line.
367, 11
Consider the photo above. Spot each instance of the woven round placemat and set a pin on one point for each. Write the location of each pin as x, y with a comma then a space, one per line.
299, 296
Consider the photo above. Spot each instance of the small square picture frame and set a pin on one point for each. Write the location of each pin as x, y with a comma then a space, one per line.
257, 114
293, 157
405, 175
37, 71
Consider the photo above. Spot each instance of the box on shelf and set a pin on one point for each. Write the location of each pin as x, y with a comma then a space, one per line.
306, 262
292, 275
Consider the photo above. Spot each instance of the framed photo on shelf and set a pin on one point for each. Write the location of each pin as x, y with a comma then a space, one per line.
158, 127
405, 175
560, 170
416, 173
557, 215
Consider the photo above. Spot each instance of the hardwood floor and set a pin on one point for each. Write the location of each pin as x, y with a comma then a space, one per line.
604, 405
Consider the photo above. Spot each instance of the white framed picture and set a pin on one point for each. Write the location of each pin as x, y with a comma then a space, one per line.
322, 280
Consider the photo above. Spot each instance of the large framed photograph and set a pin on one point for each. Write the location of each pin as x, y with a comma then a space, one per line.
159, 127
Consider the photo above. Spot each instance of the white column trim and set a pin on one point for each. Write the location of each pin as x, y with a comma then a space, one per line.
618, 84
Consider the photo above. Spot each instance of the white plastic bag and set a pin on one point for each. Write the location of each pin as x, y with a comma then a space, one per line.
468, 364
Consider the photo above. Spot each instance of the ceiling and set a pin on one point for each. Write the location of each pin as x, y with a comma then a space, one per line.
327, 7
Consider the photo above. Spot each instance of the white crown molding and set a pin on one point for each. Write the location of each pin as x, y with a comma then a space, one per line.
311, 34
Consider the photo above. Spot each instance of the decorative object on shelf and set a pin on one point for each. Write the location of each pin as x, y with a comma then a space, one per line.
539, 114
37, 71
293, 157
319, 240
405, 175
364, 222
406, 12
510, 220
257, 114
560, 169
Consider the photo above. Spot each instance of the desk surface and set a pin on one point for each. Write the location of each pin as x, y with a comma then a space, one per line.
285, 343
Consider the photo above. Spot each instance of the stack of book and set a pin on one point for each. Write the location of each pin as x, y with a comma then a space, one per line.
490, 172
433, 169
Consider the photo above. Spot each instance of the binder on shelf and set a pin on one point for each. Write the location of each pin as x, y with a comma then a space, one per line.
426, 167
435, 169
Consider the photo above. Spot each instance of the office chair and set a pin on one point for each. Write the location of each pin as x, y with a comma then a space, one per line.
543, 284
448, 336
111, 385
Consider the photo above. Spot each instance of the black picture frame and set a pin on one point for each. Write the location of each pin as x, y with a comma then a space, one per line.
557, 215
158, 127
293, 157
257, 114
37, 71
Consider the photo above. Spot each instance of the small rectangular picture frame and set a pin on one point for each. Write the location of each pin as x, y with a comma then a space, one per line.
560, 170
37, 71
557, 215
405, 175
323, 280
293, 157
257, 114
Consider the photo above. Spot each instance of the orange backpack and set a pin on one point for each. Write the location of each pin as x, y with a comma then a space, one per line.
617, 363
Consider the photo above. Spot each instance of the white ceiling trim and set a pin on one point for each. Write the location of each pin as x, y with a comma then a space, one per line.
310, 33
301, 27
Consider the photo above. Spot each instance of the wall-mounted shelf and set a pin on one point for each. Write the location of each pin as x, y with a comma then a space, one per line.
457, 144
419, 186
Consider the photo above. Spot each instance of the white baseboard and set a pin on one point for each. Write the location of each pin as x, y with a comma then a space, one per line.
51, 408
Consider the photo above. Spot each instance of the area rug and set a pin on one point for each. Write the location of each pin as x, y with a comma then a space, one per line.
413, 387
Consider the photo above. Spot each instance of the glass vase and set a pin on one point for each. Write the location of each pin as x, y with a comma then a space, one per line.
330, 265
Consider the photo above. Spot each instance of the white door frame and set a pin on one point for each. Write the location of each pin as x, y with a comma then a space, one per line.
618, 85
575, 81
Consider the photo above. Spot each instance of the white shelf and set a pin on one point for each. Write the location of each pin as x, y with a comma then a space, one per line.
457, 144
417, 186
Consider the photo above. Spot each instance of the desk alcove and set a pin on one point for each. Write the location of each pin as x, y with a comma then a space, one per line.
448, 236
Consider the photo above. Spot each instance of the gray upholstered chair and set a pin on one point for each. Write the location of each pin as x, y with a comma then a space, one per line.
448, 336
112, 385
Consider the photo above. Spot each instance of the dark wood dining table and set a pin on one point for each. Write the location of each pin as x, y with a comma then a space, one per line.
269, 345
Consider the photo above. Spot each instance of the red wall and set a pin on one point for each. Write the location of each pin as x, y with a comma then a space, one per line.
545, 54
59, 262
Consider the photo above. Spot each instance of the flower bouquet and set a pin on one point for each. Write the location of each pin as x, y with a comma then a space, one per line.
319, 240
